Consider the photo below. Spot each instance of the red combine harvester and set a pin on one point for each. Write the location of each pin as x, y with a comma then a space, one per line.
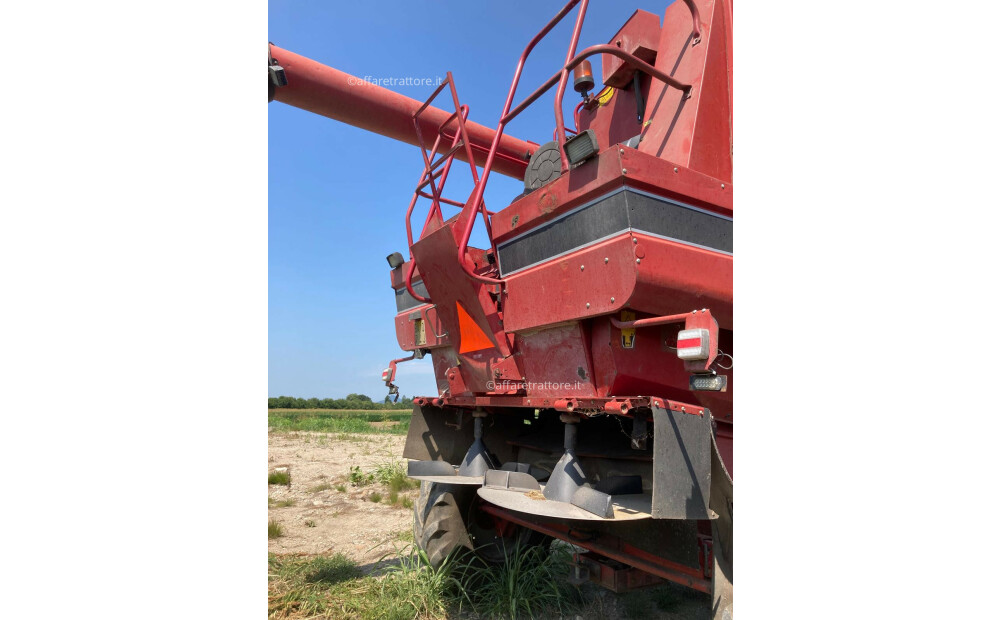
584, 359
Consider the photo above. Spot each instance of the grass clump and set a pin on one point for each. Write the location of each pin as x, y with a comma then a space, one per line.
341, 488
358, 478
274, 529
393, 476
320, 487
375, 497
531, 584
334, 587
279, 477
285, 503
310, 523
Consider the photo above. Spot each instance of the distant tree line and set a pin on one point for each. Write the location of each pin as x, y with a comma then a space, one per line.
353, 401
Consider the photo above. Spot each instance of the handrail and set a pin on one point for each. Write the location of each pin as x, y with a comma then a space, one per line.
560, 129
477, 193
435, 206
696, 19
643, 66
561, 77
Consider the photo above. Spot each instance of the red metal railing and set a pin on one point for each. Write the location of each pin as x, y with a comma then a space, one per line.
477, 192
432, 161
562, 76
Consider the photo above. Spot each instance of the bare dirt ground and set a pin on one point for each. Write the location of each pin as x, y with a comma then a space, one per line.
346, 522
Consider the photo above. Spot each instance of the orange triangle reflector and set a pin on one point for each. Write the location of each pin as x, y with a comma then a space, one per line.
471, 335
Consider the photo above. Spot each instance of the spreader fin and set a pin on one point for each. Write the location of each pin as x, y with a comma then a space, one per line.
510, 480
594, 502
430, 468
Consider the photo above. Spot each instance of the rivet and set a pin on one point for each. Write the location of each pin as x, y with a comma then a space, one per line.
675, 169
612, 300
588, 304
621, 151
581, 267
605, 260
723, 186
624, 171
635, 240
637, 261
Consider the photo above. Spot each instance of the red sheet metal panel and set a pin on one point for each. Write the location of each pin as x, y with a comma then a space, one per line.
640, 36
557, 362
693, 131
560, 290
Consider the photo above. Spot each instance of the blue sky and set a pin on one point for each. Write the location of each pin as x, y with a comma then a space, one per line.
337, 195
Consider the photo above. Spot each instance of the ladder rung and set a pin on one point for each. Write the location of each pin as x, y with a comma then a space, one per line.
453, 116
447, 155
431, 98
433, 176
447, 201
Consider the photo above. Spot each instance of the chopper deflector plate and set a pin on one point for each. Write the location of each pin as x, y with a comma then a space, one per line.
439, 472
626, 507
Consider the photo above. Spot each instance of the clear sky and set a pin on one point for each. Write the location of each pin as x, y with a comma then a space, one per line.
337, 195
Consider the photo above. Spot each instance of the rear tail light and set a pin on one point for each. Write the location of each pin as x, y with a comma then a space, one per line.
693, 344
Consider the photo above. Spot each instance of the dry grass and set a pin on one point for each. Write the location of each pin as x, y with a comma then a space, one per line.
274, 529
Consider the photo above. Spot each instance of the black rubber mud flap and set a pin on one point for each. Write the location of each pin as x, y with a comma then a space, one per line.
682, 464
722, 538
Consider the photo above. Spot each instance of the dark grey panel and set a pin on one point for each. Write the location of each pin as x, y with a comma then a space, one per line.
647, 214
601, 219
619, 212
405, 301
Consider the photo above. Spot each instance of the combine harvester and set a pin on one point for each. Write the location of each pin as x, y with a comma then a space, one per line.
584, 359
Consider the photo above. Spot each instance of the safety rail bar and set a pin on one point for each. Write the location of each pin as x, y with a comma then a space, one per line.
572, 60
477, 192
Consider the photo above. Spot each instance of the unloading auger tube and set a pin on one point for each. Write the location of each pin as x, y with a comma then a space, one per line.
584, 359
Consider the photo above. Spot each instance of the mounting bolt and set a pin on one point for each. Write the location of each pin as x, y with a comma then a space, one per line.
588, 304
675, 170
605, 260
621, 151
581, 267
612, 300
624, 171
635, 240
723, 186
637, 261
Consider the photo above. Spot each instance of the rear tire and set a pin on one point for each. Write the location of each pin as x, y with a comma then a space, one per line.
444, 516
438, 524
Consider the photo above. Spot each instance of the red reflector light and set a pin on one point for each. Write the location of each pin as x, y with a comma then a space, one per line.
692, 344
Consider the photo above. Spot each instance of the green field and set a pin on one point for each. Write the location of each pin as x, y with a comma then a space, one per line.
388, 422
